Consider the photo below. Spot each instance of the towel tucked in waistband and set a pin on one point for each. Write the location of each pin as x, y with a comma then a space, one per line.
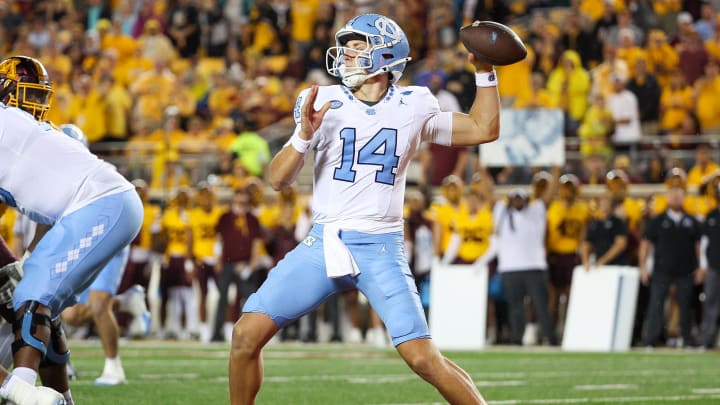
339, 261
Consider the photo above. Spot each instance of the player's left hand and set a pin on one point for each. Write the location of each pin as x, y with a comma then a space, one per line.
10, 276
310, 119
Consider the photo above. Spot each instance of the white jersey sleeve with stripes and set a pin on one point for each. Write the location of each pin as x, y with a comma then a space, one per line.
45, 174
362, 153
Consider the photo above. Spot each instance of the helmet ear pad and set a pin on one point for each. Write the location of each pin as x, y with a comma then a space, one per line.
7, 88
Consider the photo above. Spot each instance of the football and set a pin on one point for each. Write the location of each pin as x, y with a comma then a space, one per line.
493, 43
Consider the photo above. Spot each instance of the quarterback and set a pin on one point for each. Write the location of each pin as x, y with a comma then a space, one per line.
92, 210
364, 133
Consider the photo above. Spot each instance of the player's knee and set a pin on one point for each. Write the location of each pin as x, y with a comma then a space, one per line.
424, 364
32, 328
57, 349
244, 341
71, 316
250, 335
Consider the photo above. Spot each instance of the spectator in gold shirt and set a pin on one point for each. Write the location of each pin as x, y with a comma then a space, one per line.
703, 167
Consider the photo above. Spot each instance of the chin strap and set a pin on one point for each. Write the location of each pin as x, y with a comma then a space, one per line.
357, 79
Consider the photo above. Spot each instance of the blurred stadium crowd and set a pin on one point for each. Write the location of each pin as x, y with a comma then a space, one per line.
192, 97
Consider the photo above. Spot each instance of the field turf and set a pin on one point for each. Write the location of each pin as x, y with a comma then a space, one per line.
188, 373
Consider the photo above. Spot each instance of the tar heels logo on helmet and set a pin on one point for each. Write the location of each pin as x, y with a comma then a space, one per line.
388, 28
386, 50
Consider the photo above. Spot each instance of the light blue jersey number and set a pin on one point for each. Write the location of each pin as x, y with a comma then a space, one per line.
379, 151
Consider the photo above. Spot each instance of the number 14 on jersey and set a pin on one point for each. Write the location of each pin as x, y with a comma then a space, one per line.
379, 151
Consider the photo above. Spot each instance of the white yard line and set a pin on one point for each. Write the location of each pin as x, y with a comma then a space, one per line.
705, 390
668, 398
606, 387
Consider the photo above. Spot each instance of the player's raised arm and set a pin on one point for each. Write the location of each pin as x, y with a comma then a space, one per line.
489, 43
482, 124
286, 165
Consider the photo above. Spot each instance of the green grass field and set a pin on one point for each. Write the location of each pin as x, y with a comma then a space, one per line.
185, 373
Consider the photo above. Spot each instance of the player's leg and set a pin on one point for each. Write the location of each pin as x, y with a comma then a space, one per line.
294, 287
386, 280
133, 301
66, 260
352, 308
250, 334
109, 333
54, 368
453, 383
101, 302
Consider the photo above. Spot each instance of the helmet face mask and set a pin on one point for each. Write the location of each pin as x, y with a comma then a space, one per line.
24, 83
386, 50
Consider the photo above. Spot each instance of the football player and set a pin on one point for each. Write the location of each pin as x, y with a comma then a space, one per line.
97, 302
91, 211
364, 133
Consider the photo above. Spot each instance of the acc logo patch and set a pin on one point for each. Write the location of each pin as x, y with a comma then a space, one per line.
335, 104
309, 240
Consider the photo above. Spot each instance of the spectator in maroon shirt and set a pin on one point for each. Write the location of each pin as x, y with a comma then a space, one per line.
241, 241
693, 56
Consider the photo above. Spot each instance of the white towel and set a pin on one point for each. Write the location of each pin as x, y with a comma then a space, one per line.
339, 261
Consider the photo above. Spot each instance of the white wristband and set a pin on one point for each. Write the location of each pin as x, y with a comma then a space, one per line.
486, 79
300, 145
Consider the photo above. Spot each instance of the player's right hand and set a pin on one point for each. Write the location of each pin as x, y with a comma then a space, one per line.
310, 119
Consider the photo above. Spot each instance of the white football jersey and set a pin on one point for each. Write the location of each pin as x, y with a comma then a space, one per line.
362, 153
45, 174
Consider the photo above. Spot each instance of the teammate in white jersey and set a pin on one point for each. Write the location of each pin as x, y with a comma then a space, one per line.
92, 210
97, 302
364, 134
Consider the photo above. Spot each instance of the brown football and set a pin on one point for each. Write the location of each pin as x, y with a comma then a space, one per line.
493, 43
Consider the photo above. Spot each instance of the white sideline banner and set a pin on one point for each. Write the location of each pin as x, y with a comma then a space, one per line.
458, 306
530, 137
601, 309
